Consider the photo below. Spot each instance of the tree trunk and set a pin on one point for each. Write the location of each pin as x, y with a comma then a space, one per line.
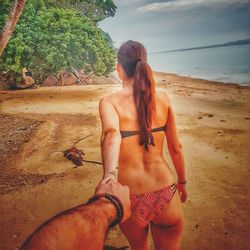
10, 24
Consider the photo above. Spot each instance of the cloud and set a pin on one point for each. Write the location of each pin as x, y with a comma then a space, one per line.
176, 5
128, 3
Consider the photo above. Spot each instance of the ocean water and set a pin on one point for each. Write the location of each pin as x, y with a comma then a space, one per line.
223, 64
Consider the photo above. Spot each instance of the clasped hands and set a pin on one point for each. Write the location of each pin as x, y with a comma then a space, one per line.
109, 185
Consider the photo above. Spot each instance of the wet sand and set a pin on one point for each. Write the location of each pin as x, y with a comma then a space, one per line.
213, 122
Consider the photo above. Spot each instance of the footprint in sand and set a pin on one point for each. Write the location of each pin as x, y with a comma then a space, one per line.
205, 114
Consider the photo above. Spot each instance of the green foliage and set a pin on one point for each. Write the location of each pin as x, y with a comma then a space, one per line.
5, 7
49, 40
97, 10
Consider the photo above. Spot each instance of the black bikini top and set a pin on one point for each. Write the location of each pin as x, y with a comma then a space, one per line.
136, 132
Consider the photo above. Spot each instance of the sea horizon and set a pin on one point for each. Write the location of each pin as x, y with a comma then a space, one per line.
226, 64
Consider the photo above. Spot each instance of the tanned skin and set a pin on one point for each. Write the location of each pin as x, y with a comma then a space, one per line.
143, 171
81, 227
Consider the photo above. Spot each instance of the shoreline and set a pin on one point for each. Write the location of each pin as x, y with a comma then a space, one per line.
205, 81
160, 77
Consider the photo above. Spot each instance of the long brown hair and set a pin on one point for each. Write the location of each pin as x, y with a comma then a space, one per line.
133, 57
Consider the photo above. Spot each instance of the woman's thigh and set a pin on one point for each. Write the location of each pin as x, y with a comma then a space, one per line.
136, 232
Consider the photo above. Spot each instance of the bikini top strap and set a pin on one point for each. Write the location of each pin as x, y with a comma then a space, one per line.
131, 133
163, 128
128, 133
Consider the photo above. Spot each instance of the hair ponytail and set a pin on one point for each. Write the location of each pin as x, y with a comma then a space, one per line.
133, 58
144, 96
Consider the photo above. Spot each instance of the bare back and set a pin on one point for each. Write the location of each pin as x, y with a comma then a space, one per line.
143, 171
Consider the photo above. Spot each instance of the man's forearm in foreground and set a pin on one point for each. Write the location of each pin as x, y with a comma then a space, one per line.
83, 227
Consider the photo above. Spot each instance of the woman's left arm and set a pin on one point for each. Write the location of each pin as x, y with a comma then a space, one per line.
110, 139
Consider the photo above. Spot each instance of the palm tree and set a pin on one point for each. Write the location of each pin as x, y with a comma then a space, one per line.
10, 24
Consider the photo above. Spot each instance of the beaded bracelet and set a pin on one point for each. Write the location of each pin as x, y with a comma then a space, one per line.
113, 200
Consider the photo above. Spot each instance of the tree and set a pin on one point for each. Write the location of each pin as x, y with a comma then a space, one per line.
10, 23
49, 40
97, 10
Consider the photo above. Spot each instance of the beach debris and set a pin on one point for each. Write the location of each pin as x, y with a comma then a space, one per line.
75, 155
210, 115
81, 139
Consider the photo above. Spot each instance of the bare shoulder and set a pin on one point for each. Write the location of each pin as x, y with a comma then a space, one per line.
110, 97
163, 95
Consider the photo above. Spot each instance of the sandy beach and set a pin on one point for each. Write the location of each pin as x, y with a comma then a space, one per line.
36, 181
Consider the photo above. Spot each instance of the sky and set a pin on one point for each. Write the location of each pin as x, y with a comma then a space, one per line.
174, 24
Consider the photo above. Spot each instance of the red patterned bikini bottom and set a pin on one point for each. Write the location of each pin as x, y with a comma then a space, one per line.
148, 206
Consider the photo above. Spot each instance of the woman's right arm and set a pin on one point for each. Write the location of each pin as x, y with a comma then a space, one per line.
110, 139
175, 150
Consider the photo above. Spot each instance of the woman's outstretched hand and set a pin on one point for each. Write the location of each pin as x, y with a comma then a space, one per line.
182, 191
108, 178
118, 190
